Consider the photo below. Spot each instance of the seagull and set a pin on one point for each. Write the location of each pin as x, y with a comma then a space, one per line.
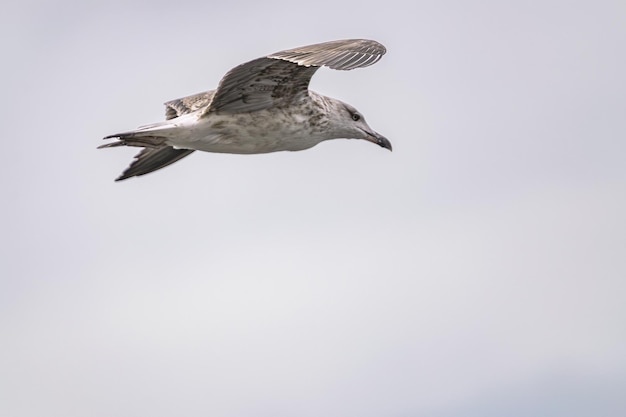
262, 106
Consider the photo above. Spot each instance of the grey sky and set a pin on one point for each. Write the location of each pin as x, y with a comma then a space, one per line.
477, 270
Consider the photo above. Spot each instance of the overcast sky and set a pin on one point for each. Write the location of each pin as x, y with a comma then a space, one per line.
477, 270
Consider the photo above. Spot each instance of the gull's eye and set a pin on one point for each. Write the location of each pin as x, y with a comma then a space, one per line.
356, 117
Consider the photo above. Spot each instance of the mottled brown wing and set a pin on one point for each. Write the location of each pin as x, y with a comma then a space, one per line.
282, 78
189, 104
151, 159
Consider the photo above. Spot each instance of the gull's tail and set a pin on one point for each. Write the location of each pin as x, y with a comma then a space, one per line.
156, 154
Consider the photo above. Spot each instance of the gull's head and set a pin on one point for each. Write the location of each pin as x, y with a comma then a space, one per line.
347, 122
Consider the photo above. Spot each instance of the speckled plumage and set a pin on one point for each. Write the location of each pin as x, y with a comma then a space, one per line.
261, 106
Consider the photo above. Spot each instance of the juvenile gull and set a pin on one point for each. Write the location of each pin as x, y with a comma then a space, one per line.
264, 105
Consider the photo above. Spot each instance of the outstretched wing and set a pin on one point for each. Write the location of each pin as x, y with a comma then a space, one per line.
189, 104
283, 78
151, 159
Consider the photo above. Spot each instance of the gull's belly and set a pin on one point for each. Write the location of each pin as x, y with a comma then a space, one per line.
246, 133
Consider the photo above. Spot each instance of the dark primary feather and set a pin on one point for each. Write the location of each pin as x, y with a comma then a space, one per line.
340, 55
283, 78
151, 159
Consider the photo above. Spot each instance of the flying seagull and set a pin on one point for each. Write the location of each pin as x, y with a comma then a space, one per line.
264, 105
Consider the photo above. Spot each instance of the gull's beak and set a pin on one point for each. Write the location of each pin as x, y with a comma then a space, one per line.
378, 139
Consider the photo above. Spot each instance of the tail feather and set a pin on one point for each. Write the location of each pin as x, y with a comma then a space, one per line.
132, 139
156, 153
151, 159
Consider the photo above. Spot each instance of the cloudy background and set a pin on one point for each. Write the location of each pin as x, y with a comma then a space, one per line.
478, 270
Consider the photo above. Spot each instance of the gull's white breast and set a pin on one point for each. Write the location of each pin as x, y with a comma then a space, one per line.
263, 131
